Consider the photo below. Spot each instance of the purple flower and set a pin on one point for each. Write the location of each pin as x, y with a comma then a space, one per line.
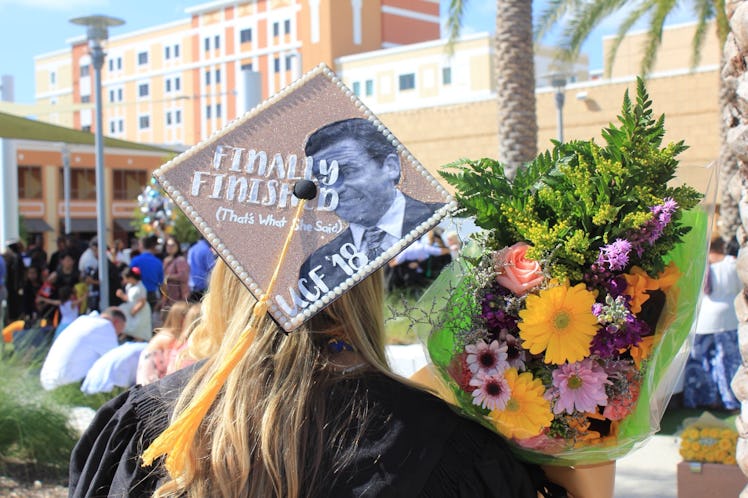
486, 359
662, 214
580, 386
615, 255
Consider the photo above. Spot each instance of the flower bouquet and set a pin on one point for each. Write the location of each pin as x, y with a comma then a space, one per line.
558, 325
708, 439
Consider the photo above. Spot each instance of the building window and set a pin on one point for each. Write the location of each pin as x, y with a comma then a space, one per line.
407, 81
247, 67
168, 118
111, 95
167, 52
277, 64
289, 62
207, 44
85, 99
121, 125
207, 77
276, 29
29, 182
177, 83
287, 26
119, 62
218, 76
176, 51
218, 110
245, 35
369, 88
52, 78
177, 116
86, 128
85, 70
446, 76
143, 90
112, 127
167, 88
144, 122
357, 88
119, 95
217, 42
82, 183
142, 58
128, 184
207, 111
111, 65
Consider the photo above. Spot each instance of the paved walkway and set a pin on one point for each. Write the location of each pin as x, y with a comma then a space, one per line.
650, 471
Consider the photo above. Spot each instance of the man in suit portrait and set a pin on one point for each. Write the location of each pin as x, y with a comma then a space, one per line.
377, 212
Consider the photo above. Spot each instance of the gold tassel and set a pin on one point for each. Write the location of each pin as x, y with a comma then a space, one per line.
177, 438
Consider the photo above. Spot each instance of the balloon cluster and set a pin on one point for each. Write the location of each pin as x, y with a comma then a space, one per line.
158, 211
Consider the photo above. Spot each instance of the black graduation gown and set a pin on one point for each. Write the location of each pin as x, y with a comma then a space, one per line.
418, 447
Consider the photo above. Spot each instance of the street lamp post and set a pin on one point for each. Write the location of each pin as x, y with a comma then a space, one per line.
97, 32
558, 81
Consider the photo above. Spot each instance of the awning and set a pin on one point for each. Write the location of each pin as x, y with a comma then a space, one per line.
36, 225
83, 224
124, 224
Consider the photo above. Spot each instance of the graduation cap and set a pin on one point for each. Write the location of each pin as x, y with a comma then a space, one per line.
372, 199
303, 197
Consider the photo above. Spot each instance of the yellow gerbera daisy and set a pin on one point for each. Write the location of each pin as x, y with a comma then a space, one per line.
559, 321
527, 412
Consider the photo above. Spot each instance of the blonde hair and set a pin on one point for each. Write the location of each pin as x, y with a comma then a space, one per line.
279, 391
175, 318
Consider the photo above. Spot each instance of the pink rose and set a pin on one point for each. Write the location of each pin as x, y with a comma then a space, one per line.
514, 271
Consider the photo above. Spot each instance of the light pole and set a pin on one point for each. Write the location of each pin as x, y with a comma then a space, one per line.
558, 81
98, 31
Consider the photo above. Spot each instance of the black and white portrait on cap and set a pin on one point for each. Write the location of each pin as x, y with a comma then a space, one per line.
353, 158
373, 198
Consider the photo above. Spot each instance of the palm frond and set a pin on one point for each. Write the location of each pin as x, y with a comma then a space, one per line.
623, 29
586, 19
662, 9
554, 11
455, 14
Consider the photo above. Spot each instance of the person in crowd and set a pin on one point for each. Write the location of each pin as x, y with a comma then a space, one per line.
135, 306
88, 268
116, 368
321, 415
32, 284
54, 259
67, 307
15, 271
715, 356
77, 349
410, 268
176, 274
121, 255
195, 341
65, 275
154, 359
377, 212
35, 255
151, 269
201, 259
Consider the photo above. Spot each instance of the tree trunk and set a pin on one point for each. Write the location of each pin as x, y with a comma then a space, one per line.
515, 84
734, 95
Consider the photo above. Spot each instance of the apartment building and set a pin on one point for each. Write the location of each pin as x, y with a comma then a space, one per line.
179, 82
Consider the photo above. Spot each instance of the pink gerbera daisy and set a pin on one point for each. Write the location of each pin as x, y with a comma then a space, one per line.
485, 359
492, 392
580, 386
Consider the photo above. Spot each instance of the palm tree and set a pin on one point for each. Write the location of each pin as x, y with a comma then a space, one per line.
515, 78
578, 18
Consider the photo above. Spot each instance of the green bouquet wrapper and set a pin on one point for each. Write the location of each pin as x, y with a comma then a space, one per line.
450, 305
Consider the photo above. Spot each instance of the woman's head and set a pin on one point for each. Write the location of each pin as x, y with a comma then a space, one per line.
133, 274
175, 316
172, 246
65, 293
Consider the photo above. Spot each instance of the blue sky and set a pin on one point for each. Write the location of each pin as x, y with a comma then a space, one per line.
32, 27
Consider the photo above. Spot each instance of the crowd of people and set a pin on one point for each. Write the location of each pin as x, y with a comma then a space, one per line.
58, 299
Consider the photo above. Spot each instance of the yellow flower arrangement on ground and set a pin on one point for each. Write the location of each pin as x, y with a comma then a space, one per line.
709, 439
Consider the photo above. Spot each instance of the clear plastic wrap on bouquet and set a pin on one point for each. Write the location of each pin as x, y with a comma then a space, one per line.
451, 305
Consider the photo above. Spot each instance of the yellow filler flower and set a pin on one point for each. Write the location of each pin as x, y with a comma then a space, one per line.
527, 412
559, 322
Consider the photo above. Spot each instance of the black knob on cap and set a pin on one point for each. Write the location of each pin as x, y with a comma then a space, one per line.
305, 189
